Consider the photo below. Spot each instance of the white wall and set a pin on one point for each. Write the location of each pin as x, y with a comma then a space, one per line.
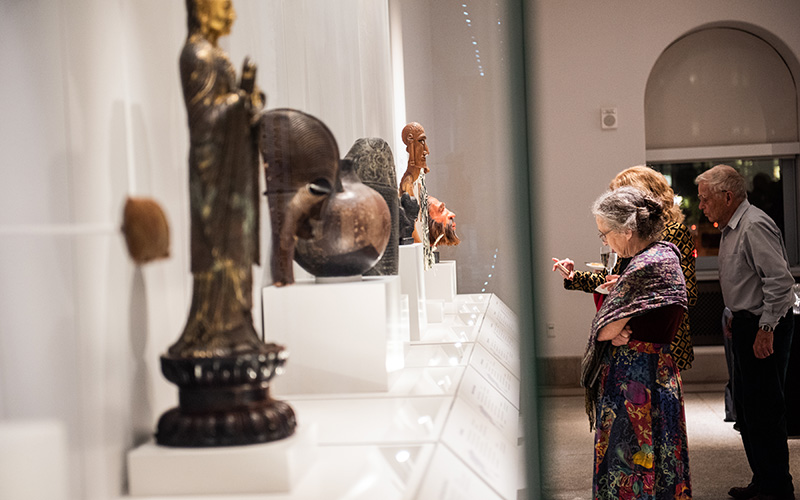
92, 110
590, 55
76, 342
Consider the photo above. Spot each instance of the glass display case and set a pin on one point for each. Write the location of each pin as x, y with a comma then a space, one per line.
105, 119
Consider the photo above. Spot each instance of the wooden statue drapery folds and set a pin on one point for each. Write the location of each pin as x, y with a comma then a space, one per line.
323, 217
219, 363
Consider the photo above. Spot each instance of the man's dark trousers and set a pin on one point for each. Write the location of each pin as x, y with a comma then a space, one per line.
760, 405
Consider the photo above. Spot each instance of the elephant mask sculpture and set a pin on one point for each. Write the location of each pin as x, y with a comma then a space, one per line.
322, 215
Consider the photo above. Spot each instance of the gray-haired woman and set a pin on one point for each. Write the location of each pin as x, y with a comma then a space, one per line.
633, 387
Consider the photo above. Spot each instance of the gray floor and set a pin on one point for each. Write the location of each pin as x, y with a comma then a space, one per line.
716, 456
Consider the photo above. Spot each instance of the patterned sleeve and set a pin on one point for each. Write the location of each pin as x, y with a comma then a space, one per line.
587, 281
678, 234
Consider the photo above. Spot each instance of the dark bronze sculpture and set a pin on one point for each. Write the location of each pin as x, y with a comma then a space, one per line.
373, 162
407, 215
219, 363
322, 216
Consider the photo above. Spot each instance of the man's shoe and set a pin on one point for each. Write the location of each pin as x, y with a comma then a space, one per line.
743, 493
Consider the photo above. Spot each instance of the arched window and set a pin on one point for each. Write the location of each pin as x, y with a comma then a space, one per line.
720, 87
724, 95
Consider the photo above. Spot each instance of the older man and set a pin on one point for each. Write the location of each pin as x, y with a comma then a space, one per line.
757, 287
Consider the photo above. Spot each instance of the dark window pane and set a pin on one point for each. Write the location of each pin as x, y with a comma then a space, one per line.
764, 190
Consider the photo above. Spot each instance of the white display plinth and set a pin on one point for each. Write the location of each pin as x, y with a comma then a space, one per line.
34, 460
412, 283
258, 468
435, 310
440, 281
341, 337
375, 421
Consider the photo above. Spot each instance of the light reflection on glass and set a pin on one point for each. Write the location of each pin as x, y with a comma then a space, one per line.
402, 456
474, 41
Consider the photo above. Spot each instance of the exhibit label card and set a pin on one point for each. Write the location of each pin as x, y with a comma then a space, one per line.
496, 374
501, 342
501, 313
448, 478
476, 391
483, 448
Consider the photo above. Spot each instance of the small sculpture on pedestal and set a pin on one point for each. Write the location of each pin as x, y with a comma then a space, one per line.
373, 162
219, 363
322, 216
413, 184
442, 228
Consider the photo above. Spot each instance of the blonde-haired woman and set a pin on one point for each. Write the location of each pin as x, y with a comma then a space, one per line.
647, 179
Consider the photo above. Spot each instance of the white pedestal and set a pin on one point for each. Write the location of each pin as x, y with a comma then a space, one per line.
259, 468
435, 310
33, 460
440, 281
412, 283
341, 337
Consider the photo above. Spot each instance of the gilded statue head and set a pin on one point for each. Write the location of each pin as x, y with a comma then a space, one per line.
417, 146
213, 18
